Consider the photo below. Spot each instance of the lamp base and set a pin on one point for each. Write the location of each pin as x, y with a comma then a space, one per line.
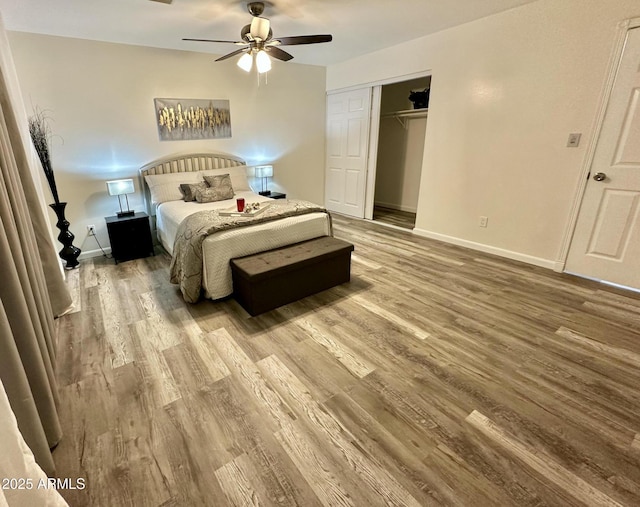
122, 214
265, 192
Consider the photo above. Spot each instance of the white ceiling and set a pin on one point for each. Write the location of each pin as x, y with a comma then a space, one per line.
357, 26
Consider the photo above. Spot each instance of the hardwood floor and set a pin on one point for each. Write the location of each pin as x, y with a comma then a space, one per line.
437, 376
395, 217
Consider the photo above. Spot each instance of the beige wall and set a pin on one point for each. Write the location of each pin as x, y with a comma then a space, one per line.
100, 98
506, 92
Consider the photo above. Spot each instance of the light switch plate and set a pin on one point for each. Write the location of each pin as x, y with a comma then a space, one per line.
574, 140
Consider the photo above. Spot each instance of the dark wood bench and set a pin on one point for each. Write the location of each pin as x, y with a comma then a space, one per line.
267, 280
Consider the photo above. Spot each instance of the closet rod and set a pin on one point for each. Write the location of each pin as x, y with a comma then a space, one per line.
403, 116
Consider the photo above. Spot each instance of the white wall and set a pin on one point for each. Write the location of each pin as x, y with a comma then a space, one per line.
100, 99
505, 93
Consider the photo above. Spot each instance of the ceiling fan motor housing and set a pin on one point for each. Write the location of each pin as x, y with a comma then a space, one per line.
245, 34
255, 8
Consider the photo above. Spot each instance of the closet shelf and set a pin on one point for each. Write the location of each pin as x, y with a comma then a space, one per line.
403, 116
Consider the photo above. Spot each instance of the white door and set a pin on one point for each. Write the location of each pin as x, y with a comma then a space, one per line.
348, 119
606, 240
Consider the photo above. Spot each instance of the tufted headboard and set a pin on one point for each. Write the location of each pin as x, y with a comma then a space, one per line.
181, 164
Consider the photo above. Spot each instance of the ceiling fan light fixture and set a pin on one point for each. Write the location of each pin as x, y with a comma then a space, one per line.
263, 62
260, 28
245, 62
257, 41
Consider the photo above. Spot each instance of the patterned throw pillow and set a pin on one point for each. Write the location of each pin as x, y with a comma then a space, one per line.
189, 190
210, 194
238, 175
219, 189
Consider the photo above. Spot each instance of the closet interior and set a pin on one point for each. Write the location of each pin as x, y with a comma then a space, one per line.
403, 123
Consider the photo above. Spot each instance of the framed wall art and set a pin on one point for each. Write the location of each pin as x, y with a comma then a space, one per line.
192, 119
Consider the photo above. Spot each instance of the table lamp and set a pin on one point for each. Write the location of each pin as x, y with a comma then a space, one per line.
122, 187
264, 172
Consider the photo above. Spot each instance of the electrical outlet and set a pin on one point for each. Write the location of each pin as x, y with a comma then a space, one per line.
91, 230
483, 221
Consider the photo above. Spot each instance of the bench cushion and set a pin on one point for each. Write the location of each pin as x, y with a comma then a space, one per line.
266, 280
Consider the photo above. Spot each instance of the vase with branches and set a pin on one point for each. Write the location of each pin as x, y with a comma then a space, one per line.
41, 137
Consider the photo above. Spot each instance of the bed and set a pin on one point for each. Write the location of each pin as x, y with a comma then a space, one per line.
161, 180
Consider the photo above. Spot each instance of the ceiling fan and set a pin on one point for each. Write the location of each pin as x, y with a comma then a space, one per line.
257, 39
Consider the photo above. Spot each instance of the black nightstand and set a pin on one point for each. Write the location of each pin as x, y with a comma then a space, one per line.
277, 195
130, 237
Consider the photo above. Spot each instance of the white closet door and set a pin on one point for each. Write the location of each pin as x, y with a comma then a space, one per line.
348, 123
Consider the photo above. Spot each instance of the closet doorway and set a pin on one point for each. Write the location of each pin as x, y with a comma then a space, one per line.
401, 136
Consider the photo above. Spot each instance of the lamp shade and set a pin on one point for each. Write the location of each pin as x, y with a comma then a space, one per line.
245, 62
120, 187
264, 171
263, 62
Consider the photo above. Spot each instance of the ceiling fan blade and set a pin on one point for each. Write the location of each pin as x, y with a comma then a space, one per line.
260, 28
232, 54
239, 42
163, 1
304, 39
279, 53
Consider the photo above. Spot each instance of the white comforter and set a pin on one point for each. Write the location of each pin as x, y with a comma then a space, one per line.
220, 248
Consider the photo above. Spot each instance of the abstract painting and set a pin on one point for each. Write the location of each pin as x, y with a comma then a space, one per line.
192, 119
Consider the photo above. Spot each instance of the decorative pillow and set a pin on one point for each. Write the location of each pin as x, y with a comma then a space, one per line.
222, 183
166, 187
211, 194
238, 176
189, 190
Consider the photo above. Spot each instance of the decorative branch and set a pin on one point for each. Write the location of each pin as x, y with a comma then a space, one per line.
41, 136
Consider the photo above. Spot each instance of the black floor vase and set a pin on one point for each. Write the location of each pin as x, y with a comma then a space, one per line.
69, 253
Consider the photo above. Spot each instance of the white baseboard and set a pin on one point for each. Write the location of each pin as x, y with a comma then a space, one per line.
516, 256
88, 254
398, 207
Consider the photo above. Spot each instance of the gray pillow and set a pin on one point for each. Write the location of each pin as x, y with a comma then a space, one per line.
219, 189
188, 190
212, 194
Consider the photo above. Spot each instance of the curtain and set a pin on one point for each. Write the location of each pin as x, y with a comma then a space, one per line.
17, 462
32, 290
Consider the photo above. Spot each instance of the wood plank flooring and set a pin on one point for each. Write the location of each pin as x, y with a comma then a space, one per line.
437, 376
403, 219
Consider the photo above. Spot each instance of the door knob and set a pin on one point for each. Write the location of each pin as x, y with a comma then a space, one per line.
599, 176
